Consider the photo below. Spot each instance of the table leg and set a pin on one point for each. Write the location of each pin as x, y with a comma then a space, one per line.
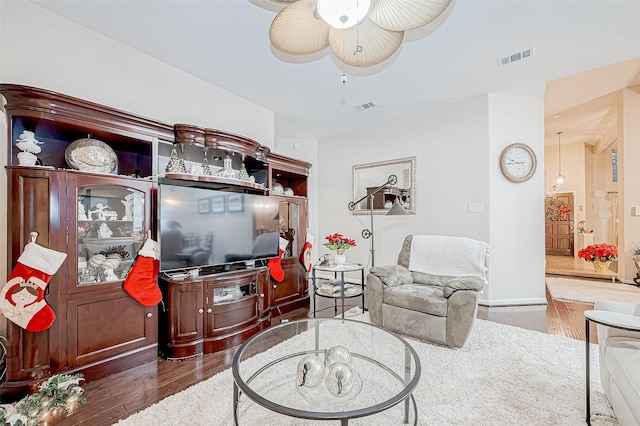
362, 282
587, 362
342, 278
407, 377
313, 281
235, 403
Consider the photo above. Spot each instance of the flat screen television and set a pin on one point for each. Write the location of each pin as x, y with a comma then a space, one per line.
210, 228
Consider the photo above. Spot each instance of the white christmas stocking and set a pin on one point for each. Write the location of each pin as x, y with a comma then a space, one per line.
305, 255
141, 281
22, 297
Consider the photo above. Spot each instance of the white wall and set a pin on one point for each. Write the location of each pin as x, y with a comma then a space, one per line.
517, 210
41, 49
629, 151
457, 149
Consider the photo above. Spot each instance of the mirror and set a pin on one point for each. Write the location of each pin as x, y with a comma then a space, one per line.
369, 177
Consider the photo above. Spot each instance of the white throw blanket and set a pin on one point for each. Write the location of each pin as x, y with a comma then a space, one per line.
448, 256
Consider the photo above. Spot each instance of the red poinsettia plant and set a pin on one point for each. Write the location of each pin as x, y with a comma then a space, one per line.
338, 242
601, 252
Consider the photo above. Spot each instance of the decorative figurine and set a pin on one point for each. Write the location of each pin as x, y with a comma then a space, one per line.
176, 164
82, 214
128, 207
103, 213
227, 171
104, 231
29, 146
206, 170
243, 173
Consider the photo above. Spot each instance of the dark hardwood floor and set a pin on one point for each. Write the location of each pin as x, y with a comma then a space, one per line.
120, 395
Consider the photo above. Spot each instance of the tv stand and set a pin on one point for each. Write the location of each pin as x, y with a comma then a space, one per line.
214, 312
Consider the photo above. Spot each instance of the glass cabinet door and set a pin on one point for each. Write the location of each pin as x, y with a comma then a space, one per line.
111, 226
289, 220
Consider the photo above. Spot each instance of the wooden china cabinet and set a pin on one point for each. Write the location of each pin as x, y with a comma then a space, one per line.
99, 329
100, 218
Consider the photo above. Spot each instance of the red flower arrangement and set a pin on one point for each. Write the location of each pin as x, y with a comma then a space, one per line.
339, 242
600, 252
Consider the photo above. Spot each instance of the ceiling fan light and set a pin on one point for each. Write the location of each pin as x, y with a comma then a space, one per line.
343, 13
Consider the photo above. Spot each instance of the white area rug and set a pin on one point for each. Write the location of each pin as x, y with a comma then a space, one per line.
591, 291
504, 375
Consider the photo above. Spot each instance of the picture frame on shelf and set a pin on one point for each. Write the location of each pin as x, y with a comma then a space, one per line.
235, 203
218, 204
204, 206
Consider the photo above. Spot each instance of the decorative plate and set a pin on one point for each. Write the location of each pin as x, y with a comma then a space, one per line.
91, 155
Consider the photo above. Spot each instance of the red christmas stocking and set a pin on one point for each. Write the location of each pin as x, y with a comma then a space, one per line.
275, 267
305, 255
22, 298
141, 281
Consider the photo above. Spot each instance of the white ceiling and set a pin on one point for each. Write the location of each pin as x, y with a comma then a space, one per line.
226, 42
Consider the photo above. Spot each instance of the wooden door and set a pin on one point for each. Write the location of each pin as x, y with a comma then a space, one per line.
559, 224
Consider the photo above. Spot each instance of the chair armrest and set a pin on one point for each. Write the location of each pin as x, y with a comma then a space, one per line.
392, 275
463, 283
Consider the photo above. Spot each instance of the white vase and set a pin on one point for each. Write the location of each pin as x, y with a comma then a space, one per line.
27, 159
339, 259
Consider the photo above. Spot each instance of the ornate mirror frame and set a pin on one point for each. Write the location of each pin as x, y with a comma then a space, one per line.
372, 175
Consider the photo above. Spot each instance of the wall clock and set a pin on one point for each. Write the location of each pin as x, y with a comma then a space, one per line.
518, 162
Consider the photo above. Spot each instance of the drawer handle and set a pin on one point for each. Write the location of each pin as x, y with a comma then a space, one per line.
200, 311
261, 294
209, 310
149, 314
274, 286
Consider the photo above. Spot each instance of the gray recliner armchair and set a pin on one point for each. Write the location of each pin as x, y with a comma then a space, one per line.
432, 293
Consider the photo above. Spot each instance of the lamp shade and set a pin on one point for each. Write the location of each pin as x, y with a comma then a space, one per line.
397, 209
361, 33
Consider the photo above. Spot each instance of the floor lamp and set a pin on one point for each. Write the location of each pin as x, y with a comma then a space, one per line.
396, 209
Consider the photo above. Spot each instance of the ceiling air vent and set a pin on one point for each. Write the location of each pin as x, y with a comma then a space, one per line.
366, 106
515, 57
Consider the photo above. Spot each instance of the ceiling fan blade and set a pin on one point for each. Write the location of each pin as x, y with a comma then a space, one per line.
364, 45
297, 31
402, 15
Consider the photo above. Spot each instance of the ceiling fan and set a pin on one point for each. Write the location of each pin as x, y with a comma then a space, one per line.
360, 33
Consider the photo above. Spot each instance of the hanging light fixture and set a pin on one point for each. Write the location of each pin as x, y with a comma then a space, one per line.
360, 33
560, 178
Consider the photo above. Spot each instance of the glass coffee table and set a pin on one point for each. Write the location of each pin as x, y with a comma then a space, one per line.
325, 369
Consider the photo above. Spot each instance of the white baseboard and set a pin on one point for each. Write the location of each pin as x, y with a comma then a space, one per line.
512, 302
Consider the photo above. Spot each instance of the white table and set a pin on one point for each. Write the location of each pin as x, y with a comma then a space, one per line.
610, 319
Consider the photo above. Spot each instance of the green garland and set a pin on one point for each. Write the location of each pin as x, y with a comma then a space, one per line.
59, 395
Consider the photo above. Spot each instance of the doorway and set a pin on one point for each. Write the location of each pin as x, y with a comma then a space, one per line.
558, 229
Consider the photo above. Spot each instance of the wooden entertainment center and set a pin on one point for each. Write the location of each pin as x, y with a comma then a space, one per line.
99, 328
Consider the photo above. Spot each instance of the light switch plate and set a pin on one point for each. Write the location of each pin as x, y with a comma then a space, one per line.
476, 207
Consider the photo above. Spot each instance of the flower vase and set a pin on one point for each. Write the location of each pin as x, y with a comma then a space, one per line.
601, 266
339, 258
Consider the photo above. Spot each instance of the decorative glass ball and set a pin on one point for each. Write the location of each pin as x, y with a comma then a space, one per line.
339, 379
310, 371
337, 354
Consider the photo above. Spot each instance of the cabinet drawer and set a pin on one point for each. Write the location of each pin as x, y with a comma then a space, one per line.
233, 316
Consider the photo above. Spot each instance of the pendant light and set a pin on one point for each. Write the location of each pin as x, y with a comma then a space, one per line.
560, 178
